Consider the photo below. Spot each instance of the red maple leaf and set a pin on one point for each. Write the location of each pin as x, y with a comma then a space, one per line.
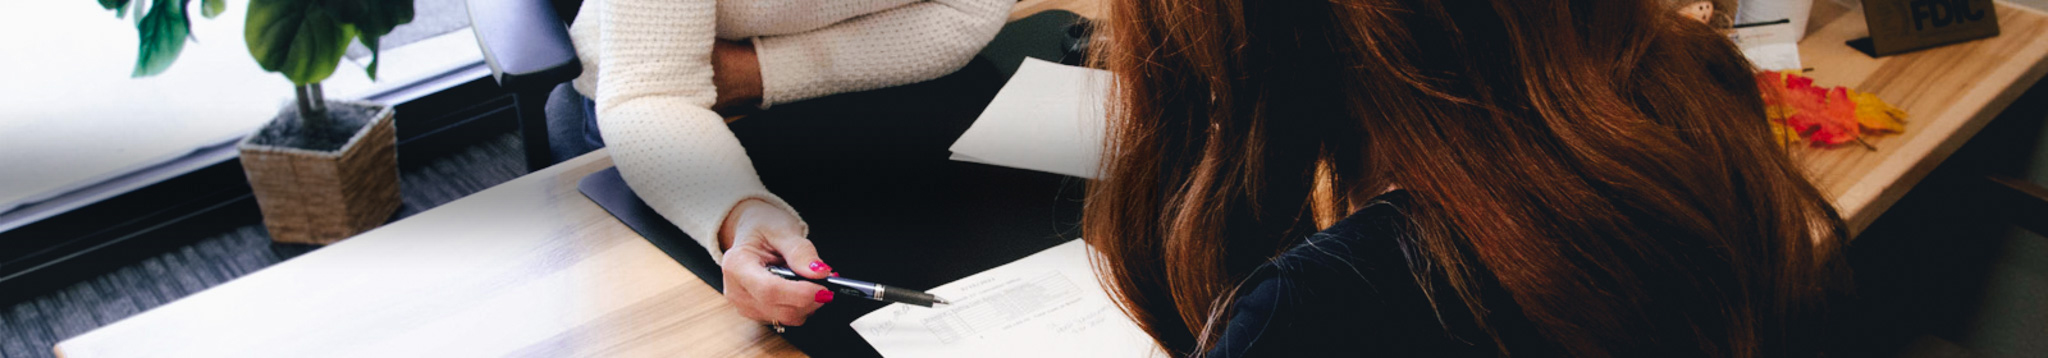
1824, 115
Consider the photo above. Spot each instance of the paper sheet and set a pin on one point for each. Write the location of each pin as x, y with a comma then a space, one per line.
1048, 118
1794, 11
1774, 57
1045, 305
1771, 46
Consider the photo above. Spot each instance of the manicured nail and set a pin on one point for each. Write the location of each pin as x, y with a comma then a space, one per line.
823, 296
835, 274
820, 266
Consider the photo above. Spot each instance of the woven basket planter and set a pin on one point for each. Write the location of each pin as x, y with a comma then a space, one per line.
319, 197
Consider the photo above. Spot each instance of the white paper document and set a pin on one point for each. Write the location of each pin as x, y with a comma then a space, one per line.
1045, 305
1049, 117
1771, 46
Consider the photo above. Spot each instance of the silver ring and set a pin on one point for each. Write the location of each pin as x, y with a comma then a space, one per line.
778, 327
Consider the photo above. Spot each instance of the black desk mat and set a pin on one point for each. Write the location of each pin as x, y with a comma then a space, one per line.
610, 192
869, 173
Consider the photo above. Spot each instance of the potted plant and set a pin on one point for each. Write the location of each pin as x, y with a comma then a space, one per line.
322, 170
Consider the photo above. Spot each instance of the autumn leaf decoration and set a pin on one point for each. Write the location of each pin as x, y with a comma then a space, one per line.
1822, 116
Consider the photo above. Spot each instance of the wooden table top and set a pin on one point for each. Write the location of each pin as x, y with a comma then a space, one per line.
532, 268
527, 268
1948, 92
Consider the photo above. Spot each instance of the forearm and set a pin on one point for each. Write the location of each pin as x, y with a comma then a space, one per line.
691, 170
654, 93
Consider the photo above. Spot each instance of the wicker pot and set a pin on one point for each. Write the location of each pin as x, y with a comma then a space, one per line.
319, 197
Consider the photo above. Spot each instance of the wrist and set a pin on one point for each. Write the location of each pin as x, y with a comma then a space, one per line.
728, 228
751, 218
736, 71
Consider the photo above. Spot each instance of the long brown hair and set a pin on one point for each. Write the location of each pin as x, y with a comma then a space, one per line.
1606, 163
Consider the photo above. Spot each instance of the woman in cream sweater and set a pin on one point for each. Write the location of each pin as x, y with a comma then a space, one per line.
658, 67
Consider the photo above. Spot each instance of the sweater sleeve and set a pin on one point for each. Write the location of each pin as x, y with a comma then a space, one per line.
907, 44
654, 91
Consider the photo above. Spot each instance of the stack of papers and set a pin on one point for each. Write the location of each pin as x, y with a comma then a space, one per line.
1045, 305
1049, 117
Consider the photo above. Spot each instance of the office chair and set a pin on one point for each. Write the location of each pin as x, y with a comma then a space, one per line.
526, 44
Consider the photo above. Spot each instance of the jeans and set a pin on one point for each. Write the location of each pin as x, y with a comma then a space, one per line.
572, 124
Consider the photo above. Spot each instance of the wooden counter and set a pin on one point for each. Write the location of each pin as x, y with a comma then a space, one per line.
1949, 92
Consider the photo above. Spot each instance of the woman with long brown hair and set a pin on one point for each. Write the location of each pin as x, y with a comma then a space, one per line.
1451, 178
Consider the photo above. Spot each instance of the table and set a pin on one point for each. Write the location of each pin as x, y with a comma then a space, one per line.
527, 268
1949, 92
531, 268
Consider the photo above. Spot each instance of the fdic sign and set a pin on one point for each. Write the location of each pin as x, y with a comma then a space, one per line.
1905, 25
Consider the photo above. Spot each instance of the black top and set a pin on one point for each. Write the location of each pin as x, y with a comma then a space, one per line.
1351, 290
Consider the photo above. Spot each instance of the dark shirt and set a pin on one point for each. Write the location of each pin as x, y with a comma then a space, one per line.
1351, 290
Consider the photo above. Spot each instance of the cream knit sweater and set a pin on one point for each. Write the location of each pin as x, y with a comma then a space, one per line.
649, 64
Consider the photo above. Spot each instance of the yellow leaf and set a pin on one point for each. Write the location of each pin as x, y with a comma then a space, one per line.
1782, 134
1778, 113
1875, 115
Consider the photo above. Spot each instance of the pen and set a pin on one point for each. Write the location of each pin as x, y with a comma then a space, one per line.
864, 289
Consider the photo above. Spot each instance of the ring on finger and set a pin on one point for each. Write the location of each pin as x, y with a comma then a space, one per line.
778, 326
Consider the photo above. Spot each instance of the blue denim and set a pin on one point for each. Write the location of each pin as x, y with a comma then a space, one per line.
572, 124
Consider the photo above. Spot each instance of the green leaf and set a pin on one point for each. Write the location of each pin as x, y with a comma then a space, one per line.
302, 41
133, 6
374, 19
163, 32
371, 42
212, 8
120, 7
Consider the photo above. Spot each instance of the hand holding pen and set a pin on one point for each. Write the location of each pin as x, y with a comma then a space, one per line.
863, 289
757, 234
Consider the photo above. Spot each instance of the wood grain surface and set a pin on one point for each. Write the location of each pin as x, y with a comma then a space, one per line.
531, 268
528, 268
1950, 92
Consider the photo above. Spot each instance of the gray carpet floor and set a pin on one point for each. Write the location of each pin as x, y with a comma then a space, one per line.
32, 327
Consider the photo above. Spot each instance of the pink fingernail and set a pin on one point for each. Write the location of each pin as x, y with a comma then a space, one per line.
820, 266
823, 296
835, 274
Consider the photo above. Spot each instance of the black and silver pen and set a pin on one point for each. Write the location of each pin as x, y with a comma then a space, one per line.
864, 289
